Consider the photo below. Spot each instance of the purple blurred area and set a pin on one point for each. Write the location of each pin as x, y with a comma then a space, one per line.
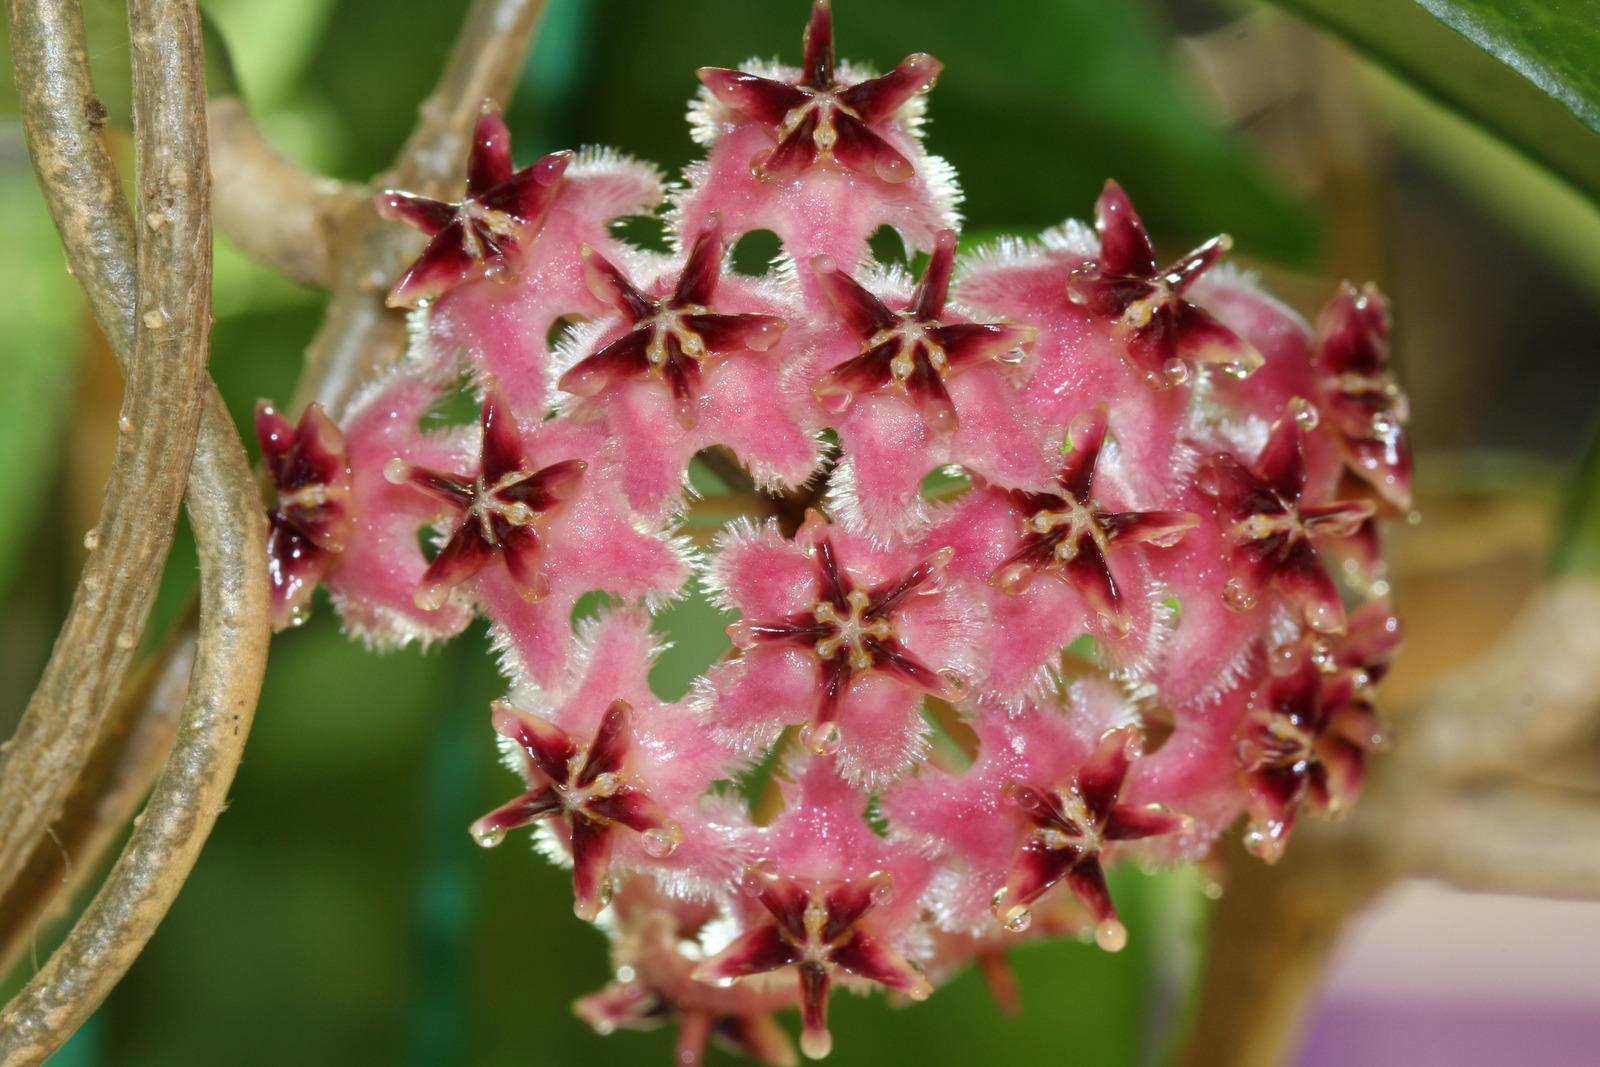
1431, 976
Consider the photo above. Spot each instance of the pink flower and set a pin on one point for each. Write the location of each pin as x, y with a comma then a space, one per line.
915, 387
1271, 527
1162, 333
505, 331
482, 235
821, 156
1357, 392
503, 506
675, 373
590, 787
829, 912
312, 516
840, 637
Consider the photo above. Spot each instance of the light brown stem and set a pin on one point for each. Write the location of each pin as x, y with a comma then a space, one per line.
128, 755
165, 376
273, 210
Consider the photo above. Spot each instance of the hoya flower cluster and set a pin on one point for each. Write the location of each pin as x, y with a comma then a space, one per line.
1141, 601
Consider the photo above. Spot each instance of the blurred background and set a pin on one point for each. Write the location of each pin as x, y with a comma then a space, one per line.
341, 914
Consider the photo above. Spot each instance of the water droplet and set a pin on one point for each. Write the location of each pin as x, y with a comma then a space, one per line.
625, 973
1234, 595
1111, 935
1013, 579
816, 1044
1174, 371
1325, 618
1017, 920
882, 887
662, 842
955, 683
1384, 424
821, 738
125, 424
396, 471
487, 835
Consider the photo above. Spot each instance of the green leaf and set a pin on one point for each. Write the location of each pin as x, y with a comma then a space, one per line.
1529, 72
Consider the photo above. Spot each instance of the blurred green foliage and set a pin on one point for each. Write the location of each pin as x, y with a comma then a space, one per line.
1528, 72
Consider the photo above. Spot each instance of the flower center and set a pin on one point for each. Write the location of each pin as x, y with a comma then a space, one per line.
851, 630
1075, 830
908, 338
1068, 525
672, 323
489, 504
575, 797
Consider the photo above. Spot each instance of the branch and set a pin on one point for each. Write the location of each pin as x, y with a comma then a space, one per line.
360, 336
193, 788
132, 746
165, 375
1534, 694
1518, 840
275, 211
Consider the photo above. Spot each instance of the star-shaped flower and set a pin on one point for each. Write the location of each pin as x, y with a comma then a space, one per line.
312, 516
817, 119
1271, 528
1070, 827
502, 508
1068, 534
850, 631
819, 928
1161, 333
912, 351
672, 337
1365, 407
589, 787
1304, 742
479, 236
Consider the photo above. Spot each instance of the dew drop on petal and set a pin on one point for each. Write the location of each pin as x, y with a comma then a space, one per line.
1013, 579
1234, 595
816, 1044
821, 738
882, 887
1174, 372
396, 471
1283, 659
663, 841
1324, 618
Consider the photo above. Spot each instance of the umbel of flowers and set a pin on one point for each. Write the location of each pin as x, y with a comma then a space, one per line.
1145, 602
